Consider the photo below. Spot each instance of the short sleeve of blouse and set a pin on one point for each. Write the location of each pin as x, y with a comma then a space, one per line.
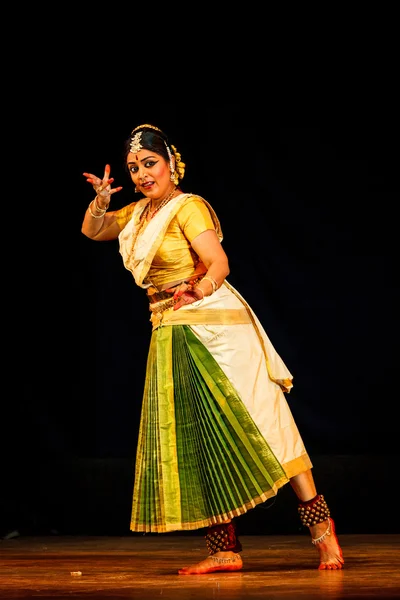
124, 215
194, 218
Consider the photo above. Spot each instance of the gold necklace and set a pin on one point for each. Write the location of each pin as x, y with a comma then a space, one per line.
159, 207
145, 212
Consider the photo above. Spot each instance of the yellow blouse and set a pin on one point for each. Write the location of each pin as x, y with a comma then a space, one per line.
175, 259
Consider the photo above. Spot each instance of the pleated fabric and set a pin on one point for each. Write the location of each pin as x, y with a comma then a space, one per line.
200, 458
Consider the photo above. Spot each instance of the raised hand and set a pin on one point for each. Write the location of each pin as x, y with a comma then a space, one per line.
102, 187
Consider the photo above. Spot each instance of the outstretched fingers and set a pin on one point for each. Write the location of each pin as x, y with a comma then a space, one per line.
102, 185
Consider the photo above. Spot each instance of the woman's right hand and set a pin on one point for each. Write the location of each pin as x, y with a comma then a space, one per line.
102, 187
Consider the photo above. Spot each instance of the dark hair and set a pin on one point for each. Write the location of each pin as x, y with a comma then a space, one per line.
155, 140
151, 139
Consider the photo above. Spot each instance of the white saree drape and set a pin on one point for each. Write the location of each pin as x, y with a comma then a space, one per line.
231, 332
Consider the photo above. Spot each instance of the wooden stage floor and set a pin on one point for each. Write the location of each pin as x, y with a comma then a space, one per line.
145, 567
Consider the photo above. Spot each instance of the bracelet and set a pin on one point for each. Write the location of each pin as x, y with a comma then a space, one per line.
93, 215
213, 283
201, 299
98, 208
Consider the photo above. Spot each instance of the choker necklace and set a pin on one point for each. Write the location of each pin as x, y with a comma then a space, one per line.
159, 207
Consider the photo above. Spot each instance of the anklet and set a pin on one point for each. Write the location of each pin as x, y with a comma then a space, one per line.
323, 536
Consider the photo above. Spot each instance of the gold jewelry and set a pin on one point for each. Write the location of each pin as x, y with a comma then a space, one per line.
93, 215
202, 298
141, 223
174, 176
136, 142
179, 171
98, 208
163, 203
213, 283
145, 125
136, 145
145, 212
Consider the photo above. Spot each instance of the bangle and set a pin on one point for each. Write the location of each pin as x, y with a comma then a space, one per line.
98, 208
202, 298
93, 215
213, 283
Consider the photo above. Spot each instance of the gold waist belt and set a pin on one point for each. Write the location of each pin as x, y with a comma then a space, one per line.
162, 305
162, 314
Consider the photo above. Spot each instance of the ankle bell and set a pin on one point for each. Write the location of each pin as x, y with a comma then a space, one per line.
222, 538
313, 511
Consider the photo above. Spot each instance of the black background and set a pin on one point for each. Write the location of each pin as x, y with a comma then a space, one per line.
308, 211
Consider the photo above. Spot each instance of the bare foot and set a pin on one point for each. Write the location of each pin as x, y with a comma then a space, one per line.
330, 552
220, 561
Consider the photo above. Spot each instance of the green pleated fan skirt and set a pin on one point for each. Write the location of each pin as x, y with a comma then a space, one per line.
200, 458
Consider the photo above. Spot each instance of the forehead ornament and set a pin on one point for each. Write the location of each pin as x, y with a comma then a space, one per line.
136, 142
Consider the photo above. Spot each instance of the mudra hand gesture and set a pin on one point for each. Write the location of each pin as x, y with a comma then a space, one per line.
186, 293
102, 187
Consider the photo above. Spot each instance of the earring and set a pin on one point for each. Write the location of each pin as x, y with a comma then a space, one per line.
174, 177
136, 189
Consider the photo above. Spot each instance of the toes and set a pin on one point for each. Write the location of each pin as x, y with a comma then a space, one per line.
329, 567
